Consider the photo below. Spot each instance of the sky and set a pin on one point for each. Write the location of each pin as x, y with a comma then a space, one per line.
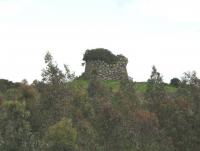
164, 33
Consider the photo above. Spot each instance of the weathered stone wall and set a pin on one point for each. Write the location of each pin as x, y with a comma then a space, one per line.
105, 71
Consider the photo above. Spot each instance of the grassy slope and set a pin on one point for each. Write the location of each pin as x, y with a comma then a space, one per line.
140, 87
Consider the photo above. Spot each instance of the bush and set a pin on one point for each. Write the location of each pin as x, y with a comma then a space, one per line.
100, 54
61, 136
15, 129
1, 100
175, 82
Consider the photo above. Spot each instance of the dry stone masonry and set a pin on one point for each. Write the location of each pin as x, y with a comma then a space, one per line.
105, 71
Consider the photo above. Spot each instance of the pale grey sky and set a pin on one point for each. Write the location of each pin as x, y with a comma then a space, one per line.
164, 33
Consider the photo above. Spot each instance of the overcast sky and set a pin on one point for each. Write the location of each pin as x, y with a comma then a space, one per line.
164, 33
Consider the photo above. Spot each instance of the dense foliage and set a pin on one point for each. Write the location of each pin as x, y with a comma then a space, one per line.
100, 54
175, 82
64, 113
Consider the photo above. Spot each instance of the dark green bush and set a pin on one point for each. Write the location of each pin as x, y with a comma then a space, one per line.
5, 85
100, 54
175, 82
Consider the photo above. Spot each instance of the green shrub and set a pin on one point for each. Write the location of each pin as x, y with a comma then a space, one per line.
100, 54
61, 137
175, 82
15, 129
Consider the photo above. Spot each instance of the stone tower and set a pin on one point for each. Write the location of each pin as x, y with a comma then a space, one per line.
107, 71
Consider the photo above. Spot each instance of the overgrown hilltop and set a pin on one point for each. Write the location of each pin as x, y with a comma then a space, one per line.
67, 113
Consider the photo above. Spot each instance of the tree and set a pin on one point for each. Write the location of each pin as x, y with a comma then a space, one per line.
155, 77
1, 100
15, 134
5, 85
53, 92
62, 136
190, 88
189, 113
52, 74
146, 131
155, 92
175, 82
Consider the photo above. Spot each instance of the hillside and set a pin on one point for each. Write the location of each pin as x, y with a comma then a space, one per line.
63, 112
139, 87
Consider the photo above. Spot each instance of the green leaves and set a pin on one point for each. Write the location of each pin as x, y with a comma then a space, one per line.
100, 54
62, 136
15, 129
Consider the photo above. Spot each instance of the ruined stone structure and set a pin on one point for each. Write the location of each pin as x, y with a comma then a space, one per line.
105, 71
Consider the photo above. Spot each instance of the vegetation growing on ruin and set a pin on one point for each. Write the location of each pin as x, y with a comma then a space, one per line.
100, 54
